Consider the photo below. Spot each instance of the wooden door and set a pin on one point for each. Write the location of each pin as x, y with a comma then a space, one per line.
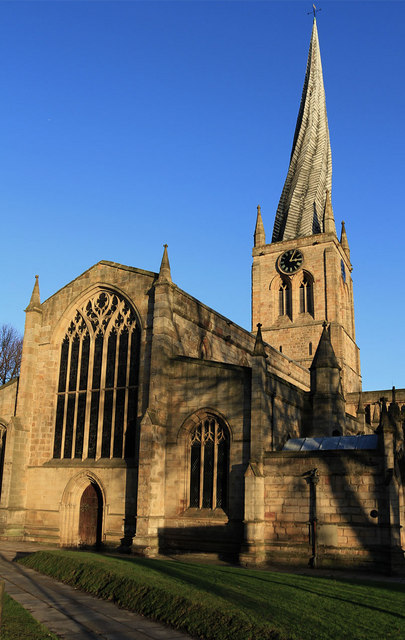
90, 516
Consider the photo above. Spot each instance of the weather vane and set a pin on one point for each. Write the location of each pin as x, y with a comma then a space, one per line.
314, 11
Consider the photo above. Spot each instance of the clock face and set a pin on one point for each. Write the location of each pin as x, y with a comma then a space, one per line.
291, 261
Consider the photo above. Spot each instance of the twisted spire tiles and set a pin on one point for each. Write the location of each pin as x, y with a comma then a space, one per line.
302, 204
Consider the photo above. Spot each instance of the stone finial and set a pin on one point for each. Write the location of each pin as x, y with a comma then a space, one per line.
376, 414
35, 302
324, 355
259, 236
343, 240
328, 217
394, 410
259, 348
164, 272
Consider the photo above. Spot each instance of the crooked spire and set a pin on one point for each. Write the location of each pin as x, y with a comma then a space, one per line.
302, 204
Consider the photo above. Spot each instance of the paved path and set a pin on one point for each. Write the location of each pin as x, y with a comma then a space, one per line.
72, 614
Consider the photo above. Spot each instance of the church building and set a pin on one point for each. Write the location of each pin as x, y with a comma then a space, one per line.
146, 421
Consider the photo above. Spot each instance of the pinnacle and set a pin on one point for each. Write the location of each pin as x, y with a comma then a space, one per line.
164, 272
35, 302
324, 355
329, 219
259, 348
385, 422
259, 236
360, 406
343, 240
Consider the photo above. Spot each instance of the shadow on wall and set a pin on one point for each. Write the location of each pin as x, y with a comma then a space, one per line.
224, 541
373, 529
363, 497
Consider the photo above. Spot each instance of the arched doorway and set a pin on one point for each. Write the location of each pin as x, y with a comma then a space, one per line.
90, 516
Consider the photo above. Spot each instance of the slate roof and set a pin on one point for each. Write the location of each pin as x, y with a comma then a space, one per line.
333, 443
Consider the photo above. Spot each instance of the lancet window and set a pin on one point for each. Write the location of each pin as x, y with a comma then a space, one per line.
209, 467
306, 296
98, 381
3, 433
284, 299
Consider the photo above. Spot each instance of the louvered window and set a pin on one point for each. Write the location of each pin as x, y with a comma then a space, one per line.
306, 296
284, 299
98, 381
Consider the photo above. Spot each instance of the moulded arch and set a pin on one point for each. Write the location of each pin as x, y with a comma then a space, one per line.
306, 274
59, 330
4, 423
278, 280
78, 483
195, 418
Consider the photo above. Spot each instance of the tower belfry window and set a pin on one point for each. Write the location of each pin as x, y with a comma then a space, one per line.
306, 296
284, 299
98, 381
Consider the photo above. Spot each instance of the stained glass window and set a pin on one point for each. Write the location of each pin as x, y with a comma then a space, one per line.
209, 464
97, 395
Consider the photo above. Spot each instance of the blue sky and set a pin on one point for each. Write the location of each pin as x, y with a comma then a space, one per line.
128, 124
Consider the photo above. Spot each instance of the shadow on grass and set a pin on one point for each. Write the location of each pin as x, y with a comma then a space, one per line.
237, 596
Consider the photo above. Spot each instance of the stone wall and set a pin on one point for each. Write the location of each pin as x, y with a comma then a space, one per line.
8, 398
350, 507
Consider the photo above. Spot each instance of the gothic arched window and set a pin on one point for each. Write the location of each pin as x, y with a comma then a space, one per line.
209, 466
284, 299
3, 433
98, 381
306, 295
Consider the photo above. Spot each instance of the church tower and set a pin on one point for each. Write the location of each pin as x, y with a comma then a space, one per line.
303, 277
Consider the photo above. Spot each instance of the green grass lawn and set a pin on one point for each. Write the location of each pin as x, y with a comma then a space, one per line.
18, 624
228, 603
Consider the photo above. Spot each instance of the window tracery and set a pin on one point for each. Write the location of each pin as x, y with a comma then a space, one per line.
98, 380
209, 443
